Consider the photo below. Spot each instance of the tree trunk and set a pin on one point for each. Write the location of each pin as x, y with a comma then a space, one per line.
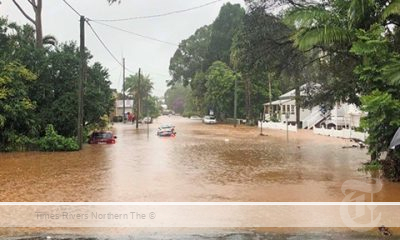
391, 165
38, 24
37, 21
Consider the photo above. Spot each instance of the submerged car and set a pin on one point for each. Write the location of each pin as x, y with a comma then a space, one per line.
209, 119
102, 137
166, 130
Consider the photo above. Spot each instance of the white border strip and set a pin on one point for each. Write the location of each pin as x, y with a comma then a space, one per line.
198, 203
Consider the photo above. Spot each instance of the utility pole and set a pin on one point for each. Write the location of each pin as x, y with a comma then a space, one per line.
81, 80
123, 90
138, 102
235, 104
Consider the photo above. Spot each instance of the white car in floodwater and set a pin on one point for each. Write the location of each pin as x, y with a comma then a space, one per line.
209, 119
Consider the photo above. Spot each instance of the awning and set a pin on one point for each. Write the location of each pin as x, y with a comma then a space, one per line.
395, 140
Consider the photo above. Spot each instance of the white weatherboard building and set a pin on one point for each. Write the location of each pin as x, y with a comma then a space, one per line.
343, 115
286, 105
119, 106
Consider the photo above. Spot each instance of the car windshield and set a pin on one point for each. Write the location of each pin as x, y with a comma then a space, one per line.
102, 135
209, 117
166, 126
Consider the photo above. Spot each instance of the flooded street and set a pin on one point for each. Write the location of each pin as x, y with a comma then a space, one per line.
202, 163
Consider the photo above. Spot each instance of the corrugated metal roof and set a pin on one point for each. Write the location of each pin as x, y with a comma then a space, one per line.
292, 93
279, 102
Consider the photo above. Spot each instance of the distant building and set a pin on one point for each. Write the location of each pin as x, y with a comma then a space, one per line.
129, 104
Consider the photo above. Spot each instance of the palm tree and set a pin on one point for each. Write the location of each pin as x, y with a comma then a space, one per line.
324, 26
392, 9
50, 40
142, 90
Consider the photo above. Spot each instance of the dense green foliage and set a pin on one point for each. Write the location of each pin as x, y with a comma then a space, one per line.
255, 47
195, 55
363, 37
16, 108
220, 89
52, 141
178, 99
142, 91
38, 87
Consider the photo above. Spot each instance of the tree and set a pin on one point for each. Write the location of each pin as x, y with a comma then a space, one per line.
152, 106
143, 90
366, 34
177, 97
16, 108
220, 89
190, 57
330, 28
98, 100
263, 47
38, 89
36, 21
208, 44
223, 29
381, 97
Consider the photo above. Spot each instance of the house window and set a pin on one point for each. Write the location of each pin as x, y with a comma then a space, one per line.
283, 109
292, 111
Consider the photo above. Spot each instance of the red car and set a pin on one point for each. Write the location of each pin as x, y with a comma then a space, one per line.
102, 137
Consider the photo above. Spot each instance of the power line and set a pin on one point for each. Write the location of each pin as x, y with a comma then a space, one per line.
73, 9
104, 45
112, 55
136, 34
159, 15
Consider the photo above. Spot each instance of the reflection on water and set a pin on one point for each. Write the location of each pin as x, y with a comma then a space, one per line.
202, 163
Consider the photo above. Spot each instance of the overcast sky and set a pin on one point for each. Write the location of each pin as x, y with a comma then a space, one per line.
152, 56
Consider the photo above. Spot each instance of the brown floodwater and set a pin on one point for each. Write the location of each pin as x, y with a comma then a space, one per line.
202, 163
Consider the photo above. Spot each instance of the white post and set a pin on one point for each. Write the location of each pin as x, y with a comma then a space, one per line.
287, 125
336, 116
351, 119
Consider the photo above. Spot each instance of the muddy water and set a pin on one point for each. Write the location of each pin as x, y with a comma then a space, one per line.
202, 163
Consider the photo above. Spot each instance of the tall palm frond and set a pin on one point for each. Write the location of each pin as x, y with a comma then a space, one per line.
358, 10
392, 9
306, 17
324, 36
392, 72
49, 40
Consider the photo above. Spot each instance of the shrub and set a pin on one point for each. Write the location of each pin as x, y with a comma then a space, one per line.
374, 165
18, 143
54, 142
